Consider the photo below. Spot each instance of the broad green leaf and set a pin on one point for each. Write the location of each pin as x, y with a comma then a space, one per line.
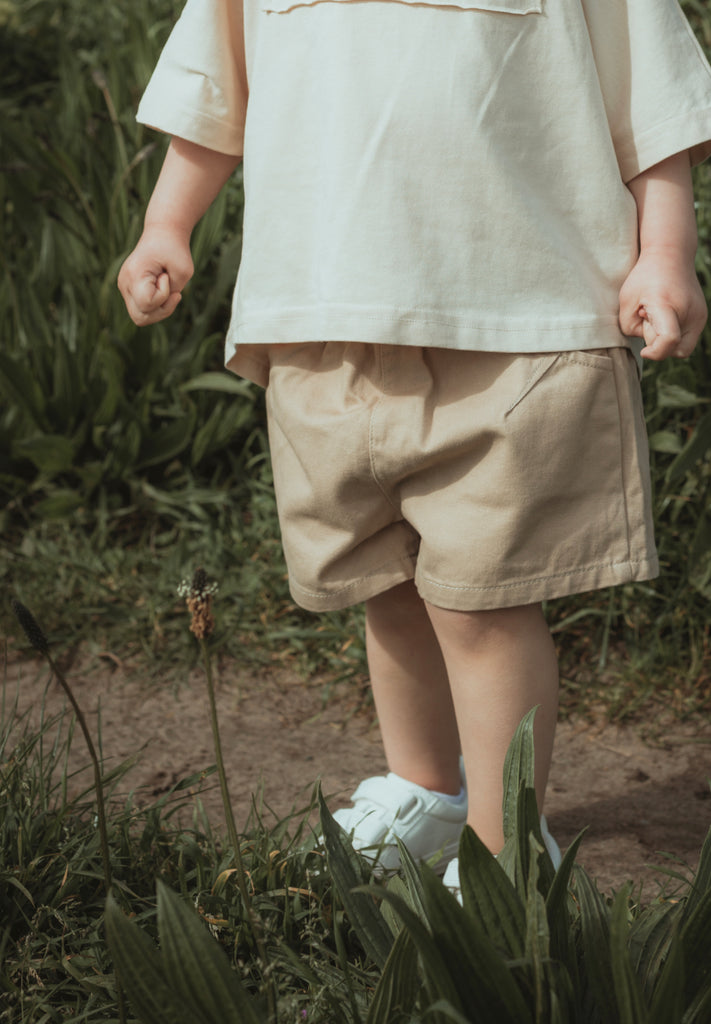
519, 766
197, 968
489, 897
366, 918
59, 504
667, 1006
695, 448
140, 971
674, 396
164, 444
21, 388
220, 381
651, 935
700, 557
396, 992
630, 1002
702, 880
559, 923
665, 441
49, 452
481, 976
694, 934
537, 935
594, 924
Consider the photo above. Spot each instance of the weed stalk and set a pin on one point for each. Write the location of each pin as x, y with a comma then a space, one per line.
36, 636
198, 596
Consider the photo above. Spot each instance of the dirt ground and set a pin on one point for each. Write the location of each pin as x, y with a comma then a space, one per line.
640, 800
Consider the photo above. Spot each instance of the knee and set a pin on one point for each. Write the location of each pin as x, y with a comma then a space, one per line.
397, 609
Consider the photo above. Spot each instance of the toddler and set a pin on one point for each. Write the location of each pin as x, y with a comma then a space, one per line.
464, 221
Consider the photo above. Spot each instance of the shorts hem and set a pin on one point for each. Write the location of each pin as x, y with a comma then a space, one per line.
536, 590
359, 590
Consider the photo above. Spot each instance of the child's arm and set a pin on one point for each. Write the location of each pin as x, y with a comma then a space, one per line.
160, 266
661, 301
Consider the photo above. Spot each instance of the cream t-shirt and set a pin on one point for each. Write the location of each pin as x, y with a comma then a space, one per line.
427, 173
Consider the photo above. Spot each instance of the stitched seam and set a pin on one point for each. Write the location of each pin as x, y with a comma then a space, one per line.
536, 579
410, 557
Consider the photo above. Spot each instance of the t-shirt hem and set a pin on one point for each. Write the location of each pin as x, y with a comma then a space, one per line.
247, 343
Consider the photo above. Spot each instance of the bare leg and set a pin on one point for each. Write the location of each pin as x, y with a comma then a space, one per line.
411, 690
500, 664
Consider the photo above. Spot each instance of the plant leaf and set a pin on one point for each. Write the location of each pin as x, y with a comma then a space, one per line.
489, 897
365, 916
196, 966
140, 970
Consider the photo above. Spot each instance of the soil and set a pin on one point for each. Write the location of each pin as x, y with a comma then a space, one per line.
646, 801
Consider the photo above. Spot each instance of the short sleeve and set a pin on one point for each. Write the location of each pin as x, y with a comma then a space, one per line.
655, 80
198, 90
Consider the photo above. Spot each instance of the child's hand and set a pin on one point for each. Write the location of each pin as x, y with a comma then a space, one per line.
154, 275
662, 302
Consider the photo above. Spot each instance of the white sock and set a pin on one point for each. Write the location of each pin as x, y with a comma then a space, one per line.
452, 798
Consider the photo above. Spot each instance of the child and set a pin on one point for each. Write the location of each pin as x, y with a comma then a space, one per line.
459, 216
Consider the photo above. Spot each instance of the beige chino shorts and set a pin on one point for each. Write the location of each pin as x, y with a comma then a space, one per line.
490, 479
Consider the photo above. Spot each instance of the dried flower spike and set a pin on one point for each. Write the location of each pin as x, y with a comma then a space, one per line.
30, 626
198, 597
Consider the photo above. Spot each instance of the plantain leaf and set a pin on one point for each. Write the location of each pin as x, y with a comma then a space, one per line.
168, 441
665, 441
694, 935
480, 975
216, 380
702, 880
489, 897
435, 969
140, 970
668, 1001
695, 448
396, 991
344, 865
675, 396
197, 968
519, 767
630, 1002
594, 924
650, 939
50, 453
562, 947
21, 388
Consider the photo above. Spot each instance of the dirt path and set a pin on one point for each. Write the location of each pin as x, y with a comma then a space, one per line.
638, 800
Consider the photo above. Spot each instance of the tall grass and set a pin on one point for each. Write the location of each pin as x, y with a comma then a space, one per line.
126, 454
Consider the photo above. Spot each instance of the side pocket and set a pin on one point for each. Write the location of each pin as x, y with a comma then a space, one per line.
539, 368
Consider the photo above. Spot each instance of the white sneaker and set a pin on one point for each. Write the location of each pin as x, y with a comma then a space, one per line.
450, 879
389, 807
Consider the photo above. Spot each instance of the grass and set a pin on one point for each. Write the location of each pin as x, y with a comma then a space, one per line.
305, 926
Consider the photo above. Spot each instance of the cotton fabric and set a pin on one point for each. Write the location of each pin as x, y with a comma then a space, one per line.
491, 479
431, 174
